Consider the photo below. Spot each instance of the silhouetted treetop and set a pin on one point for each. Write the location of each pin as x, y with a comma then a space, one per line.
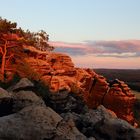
14, 41
37, 39
7, 26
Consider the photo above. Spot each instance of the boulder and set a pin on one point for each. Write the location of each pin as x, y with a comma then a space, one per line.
4, 94
33, 122
115, 129
103, 125
67, 130
71, 103
23, 99
38, 123
23, 84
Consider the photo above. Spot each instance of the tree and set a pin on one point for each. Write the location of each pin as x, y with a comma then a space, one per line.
7, 43
11, 41
7, 26
38, 39
10, 44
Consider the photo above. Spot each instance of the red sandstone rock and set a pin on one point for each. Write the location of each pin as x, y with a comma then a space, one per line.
61, 63
120, 99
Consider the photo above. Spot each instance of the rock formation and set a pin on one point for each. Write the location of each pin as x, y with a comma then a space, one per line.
27, 116
57, 72
102, 125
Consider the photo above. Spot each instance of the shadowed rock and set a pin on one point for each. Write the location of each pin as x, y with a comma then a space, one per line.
23, 84
33, 122
67, 130
23, 99
5, 102
103, 125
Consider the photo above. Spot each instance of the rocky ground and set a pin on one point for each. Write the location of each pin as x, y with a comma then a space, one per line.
26, 114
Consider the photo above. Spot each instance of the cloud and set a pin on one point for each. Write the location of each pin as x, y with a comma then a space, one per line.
124, 48
67, 45
124, 54
92, 61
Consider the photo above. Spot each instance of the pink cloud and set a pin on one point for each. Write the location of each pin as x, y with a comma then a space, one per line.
123, 54
92, 61
100, 48
68, 45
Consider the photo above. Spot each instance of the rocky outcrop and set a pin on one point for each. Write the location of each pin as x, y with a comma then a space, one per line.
103, 125
27, 113
27, 116
116, 96
121, 100
34, 122
57, 72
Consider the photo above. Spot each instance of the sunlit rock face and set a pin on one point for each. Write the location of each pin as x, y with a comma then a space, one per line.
120, 99
57, 71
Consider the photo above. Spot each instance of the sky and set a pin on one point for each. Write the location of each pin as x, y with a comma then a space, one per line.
95, 33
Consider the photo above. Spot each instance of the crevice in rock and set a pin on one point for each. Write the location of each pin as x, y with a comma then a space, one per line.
71, 103
28, 88
6, 107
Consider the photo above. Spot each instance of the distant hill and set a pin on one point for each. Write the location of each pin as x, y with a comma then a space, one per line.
130, 76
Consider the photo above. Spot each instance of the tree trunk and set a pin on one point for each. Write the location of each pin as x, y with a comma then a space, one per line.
3, 60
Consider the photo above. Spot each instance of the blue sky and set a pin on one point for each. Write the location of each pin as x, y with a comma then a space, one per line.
77, 21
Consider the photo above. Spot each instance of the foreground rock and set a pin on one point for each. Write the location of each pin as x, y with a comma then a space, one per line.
34, 122
23, 99
67, 130
27, 117
103, 125
38, 123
